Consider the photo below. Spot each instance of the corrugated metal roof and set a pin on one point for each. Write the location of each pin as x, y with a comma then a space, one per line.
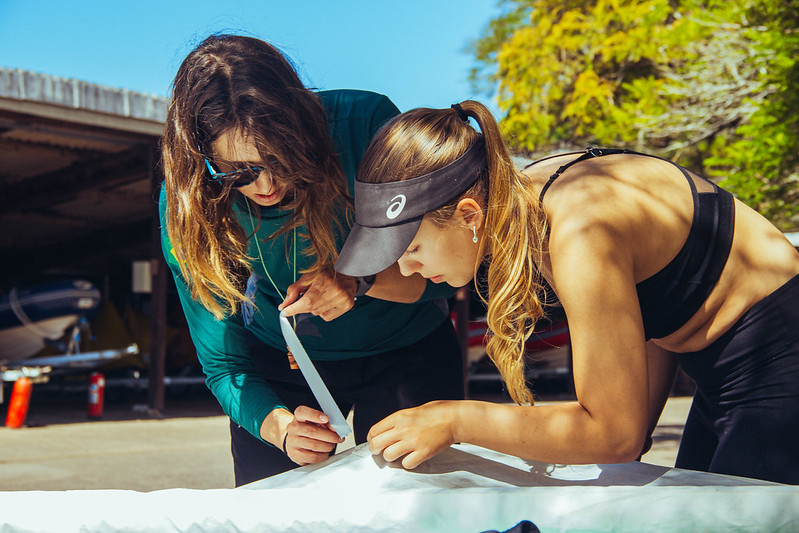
75, 94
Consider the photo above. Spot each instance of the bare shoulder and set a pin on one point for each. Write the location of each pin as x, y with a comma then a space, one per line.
625, 206
587, 194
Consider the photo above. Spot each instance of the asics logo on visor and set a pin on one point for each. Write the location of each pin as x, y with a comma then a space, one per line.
397, 204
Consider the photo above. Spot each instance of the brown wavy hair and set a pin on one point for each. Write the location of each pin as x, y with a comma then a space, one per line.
423, 140
232, 83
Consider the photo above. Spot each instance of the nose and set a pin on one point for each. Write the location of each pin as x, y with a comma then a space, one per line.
408, 266
264, 181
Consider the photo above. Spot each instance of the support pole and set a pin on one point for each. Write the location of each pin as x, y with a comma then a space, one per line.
158, 306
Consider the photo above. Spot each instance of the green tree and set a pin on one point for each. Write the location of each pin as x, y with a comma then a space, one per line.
681, 78
759, 161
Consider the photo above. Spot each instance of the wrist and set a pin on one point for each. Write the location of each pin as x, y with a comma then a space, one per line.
461, 413
449, 413
274, 428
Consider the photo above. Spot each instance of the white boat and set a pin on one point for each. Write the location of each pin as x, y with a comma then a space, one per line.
32, 316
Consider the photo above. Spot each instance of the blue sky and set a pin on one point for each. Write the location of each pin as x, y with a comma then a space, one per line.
414, 51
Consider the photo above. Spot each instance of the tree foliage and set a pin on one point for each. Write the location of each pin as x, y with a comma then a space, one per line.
710, 83
760, 159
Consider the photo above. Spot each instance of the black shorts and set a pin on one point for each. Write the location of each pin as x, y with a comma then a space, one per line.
745, 413
374, 387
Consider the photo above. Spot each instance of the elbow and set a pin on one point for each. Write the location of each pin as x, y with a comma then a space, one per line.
629, 453
623, 446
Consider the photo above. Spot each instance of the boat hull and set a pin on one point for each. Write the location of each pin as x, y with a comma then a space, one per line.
30, 317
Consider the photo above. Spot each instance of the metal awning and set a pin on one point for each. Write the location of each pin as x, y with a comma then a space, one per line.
76, 165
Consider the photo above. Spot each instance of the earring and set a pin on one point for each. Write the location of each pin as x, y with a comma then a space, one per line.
474, 230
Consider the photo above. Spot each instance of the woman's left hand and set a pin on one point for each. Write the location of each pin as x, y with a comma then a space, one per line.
418, 433
327, 295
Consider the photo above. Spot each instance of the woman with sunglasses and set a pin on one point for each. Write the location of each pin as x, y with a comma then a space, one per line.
654, 267
254, 208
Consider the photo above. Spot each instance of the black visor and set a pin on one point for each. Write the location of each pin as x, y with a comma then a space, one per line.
388, 215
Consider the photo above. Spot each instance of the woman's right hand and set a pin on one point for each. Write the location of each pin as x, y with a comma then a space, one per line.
327, 295
415, 434
308, 438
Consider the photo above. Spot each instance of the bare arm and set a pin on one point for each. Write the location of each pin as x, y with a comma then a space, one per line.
662, 366
558, 433
594, 278
392, 286
330, 294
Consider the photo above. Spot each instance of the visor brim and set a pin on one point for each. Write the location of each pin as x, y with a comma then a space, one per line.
368, 251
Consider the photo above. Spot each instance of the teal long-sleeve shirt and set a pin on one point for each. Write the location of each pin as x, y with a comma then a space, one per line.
372, 327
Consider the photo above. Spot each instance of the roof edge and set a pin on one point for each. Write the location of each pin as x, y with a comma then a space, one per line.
23, 85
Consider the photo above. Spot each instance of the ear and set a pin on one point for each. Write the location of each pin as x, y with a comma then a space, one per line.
468, 213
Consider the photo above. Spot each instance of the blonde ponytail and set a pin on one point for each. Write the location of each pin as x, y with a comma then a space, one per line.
515, 228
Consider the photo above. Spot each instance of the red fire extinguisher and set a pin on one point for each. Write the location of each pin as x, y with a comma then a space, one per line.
20, 399
96, 394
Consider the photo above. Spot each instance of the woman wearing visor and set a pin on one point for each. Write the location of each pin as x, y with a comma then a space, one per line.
654, 266
254, 208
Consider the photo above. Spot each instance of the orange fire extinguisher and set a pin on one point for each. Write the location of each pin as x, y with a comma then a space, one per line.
96, 394
20, 399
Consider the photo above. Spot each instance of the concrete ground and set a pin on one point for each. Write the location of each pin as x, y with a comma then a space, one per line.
189, 446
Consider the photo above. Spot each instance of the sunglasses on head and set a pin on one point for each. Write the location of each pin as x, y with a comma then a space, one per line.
240, 177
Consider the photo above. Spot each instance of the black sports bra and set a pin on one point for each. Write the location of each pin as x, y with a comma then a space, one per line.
671, 297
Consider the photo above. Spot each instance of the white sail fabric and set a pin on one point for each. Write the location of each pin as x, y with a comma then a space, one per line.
464, 489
